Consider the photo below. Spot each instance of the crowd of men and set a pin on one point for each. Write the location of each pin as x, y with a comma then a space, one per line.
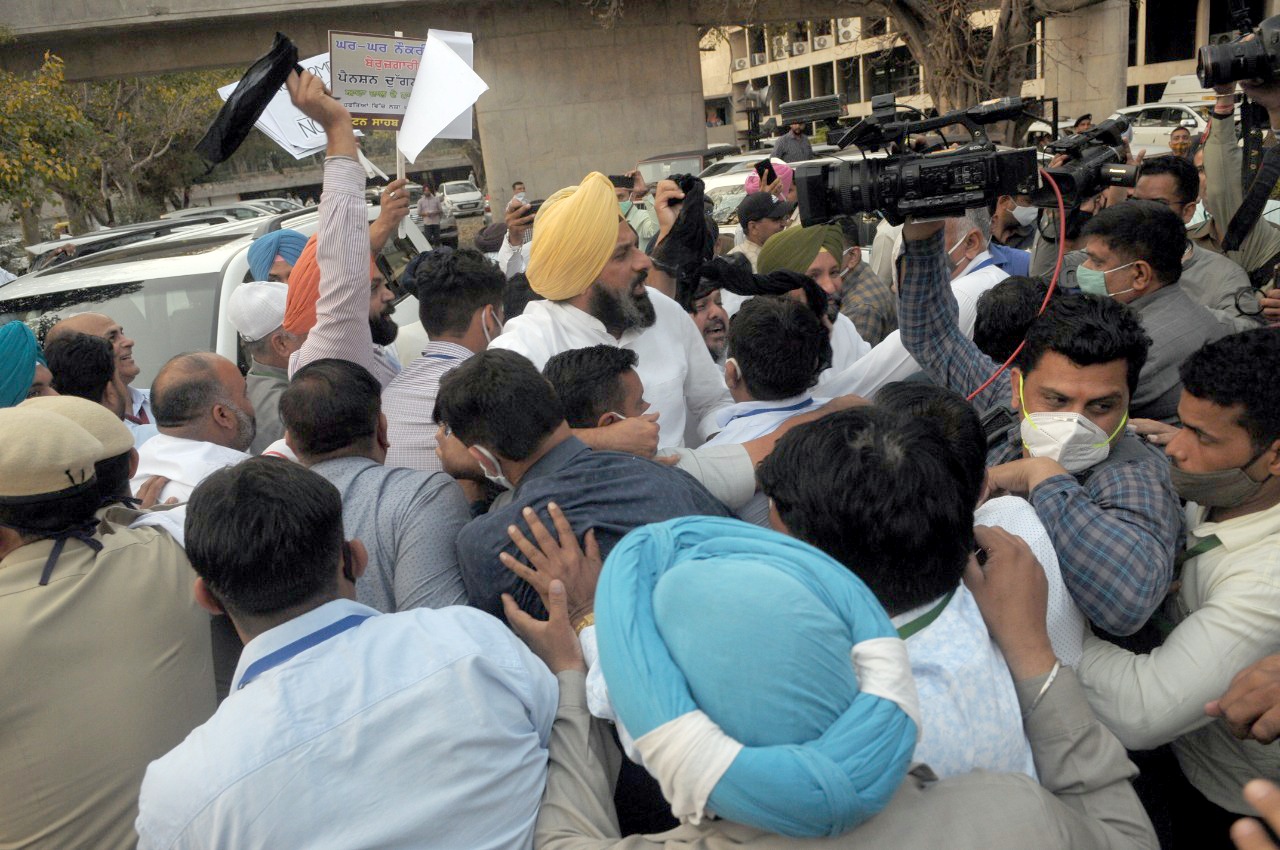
654, 547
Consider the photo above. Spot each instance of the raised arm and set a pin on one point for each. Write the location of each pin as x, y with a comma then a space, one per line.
342, 248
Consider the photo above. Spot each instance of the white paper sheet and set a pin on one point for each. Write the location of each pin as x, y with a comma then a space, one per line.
444, 90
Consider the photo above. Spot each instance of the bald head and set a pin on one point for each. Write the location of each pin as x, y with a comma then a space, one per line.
201, 396
103, 327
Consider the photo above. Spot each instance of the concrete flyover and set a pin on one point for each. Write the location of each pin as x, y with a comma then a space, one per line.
566, 95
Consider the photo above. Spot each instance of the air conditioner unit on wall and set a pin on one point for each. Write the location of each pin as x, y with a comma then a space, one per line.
759, 58
844, 23
739, 64
799, 48
779, 46
845, 35
822, 42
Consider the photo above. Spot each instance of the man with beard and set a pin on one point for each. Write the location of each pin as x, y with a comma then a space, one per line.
712, 322
137, 415
205, 420
327, 287
585, 261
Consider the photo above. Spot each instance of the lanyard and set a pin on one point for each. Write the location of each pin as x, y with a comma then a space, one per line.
302, 644
800, 405
442, 357
922, 622
1205, 545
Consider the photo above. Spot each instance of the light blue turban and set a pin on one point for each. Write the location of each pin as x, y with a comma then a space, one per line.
277, 243
760, 679
19, 354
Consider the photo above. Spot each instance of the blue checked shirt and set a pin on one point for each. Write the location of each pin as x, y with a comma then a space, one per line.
1116, 533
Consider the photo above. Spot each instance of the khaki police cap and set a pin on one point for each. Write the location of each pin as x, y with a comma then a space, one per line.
101, 423
43, 456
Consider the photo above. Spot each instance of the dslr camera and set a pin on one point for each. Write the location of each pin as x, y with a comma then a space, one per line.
946, 183
1257, 59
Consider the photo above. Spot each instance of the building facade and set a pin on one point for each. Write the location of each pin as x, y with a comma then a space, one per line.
859, 58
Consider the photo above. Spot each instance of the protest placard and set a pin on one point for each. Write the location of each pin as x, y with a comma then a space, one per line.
373, 76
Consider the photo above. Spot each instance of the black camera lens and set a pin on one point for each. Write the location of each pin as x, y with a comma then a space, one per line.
1219, 64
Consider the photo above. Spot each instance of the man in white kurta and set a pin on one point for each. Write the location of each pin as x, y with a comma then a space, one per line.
585, 260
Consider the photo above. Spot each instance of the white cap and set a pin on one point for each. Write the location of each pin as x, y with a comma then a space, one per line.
257, 308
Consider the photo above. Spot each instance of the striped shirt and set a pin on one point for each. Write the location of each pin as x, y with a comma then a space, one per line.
408, 402
1115, 532
342, 250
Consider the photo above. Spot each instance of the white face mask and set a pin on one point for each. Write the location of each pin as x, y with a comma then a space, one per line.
484, 326
1025, 215
1071, 439
499, 479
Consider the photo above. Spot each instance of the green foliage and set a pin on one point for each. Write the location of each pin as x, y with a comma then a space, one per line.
41, 133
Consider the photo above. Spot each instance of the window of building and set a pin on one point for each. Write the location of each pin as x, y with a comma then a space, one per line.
822, 27
850, 75
779, 91
1171, 31
717, 112
801, 84
1133, 33
824, 79
1131, 96
1151, 92
894, 71
756, 40
874, 26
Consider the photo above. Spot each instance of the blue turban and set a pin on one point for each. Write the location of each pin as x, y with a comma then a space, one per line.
277, 243
19, 354
760, 679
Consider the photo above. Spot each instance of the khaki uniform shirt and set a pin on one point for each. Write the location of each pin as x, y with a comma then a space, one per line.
105, 668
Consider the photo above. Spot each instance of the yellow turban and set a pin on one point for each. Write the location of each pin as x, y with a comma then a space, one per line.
795, 248
575, 232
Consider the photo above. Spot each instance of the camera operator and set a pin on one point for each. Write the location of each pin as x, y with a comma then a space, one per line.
1208, 278
1110, 510
1259, 254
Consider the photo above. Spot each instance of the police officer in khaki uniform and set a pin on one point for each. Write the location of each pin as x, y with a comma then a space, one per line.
104, 655
120, 458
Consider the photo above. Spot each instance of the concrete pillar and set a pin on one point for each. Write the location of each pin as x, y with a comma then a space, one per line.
1087, 59
567, 97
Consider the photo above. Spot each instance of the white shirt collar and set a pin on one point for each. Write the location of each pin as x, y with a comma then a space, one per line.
727, 414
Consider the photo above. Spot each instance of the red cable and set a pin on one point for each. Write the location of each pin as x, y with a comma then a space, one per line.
1053, 282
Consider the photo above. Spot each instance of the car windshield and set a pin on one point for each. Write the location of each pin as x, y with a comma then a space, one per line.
459, 189
662, 169
164, 316
726, 200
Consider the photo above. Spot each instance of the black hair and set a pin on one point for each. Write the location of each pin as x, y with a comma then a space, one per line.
954, 417
588, 381
517, 296
1087, 330
188, 397
1185, 177
1004, 313
1240, 369
452, 286
883, 494
330, 405
52, 515
265, 535
498, 399
1143, 230
82, 365
779, 345
517, 183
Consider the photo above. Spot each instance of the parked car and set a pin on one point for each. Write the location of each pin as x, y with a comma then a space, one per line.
461, 198
172, 292
662, 166
276, 204
242, 209
55, 252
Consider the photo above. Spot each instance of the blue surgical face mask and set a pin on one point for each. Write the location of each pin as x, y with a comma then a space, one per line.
1094, 281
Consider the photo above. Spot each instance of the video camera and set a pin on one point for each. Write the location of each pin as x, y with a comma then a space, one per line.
946, 183
1258, 59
